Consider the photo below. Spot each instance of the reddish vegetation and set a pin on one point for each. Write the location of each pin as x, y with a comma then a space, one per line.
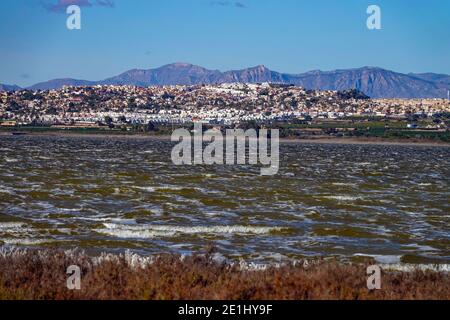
42, 275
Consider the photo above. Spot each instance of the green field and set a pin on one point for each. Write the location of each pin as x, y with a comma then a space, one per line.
339, 128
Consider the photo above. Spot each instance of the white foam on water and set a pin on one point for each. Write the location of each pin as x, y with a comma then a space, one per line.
289, 174
7, 190
103, 218
406, 267
208, 191
19, 233
152, 231
170, 187
24, 241
342, 198
386, 259
148, 189
70, 209
135, 234
15, 229
213, 213
343, 184
159, 188
123, 221
5, 174
7, 226
67, 231
421, 247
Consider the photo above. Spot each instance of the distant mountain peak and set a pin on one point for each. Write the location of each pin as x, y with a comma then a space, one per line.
59, 83
371, 68
261, 67
7, 87
179, 65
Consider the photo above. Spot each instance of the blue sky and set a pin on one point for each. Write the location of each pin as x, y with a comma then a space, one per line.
285, 35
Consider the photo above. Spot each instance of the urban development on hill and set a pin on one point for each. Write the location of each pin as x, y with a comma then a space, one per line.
298, 111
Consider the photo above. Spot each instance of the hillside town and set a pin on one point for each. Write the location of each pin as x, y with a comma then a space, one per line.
224, 104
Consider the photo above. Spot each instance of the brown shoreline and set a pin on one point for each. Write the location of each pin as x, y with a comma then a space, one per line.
318, 140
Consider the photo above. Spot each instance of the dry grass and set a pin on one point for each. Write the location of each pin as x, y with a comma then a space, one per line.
42, 275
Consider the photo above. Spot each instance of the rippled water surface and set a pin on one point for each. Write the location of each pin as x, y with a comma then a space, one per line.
112, 194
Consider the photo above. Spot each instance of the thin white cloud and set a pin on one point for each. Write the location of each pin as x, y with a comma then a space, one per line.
59, 6
226, 3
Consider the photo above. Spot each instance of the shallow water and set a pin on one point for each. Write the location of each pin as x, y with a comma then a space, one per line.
390, 202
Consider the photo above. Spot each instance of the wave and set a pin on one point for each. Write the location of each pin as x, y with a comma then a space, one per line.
24, 241
342, 198
386, 259
152, 231
413, 267
7, 226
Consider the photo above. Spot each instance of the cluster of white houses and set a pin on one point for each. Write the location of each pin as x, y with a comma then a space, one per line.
217, 104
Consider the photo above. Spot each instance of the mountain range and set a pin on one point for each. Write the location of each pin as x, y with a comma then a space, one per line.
374, 82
